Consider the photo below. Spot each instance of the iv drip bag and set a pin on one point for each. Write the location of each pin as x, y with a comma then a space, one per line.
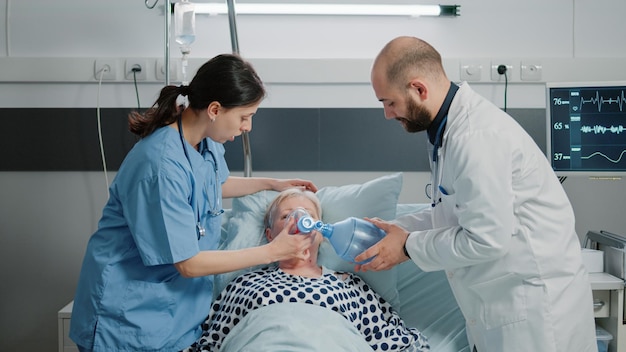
184, 24
185, 31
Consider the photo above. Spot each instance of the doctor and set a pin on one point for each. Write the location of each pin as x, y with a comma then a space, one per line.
500, 224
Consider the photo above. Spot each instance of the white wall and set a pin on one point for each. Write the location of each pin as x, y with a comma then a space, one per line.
47, 52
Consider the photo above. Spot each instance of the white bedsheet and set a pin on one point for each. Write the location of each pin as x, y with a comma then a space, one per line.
294, 327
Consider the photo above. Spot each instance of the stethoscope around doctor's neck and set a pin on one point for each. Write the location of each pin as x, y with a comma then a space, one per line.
216, 210
436, 190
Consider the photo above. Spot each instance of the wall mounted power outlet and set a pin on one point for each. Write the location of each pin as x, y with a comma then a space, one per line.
160, 70
135, 69
471, 71
531, 71
105, 69
497, 76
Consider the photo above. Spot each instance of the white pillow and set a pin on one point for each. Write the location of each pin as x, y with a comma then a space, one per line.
375, 198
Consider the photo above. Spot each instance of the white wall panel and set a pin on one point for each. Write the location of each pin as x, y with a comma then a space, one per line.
599, 28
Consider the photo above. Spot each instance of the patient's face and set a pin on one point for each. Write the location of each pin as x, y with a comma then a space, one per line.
286, 207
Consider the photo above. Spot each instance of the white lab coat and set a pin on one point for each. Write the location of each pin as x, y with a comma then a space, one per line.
505, 236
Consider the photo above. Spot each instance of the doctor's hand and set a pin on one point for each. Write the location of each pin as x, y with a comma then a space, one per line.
285, 246
388, 251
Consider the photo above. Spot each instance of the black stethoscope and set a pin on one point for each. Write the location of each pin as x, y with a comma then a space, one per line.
216, 210
437, 189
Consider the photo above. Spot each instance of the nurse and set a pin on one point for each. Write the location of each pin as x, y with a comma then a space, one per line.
500, 225
147, 271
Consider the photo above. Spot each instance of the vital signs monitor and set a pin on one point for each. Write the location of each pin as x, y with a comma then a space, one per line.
586, 128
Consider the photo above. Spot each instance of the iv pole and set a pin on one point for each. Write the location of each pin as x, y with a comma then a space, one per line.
247, 154
168, 6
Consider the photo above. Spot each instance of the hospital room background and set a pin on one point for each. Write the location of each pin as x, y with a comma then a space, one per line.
320, 121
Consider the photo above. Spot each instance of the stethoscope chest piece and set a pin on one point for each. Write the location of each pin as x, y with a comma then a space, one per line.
201, 229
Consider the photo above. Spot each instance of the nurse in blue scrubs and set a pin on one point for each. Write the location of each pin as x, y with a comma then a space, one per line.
146, 282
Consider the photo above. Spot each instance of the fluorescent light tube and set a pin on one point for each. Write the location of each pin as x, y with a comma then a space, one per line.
329, 9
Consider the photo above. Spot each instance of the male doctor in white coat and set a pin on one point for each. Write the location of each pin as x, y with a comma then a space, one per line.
500, 225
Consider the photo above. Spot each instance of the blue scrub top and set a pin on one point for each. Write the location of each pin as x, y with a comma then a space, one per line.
130, 297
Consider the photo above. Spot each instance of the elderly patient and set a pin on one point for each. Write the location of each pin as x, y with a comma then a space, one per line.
304, 281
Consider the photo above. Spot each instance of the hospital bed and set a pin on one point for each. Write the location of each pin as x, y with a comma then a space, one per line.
423, 299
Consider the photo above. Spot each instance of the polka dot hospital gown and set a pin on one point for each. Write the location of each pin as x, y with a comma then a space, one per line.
351, 297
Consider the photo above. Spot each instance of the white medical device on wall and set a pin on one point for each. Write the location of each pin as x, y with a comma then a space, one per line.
185, 32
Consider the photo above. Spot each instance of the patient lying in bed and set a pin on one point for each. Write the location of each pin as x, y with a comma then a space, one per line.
304, 282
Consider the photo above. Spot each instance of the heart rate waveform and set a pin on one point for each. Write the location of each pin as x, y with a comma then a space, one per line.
602, 129
620, 99
619, 158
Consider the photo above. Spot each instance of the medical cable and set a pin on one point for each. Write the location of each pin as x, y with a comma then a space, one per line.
503, 71
506, 88
135, 70
104, 162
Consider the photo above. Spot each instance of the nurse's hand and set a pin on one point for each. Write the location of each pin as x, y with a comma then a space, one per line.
388, 251
281, 185
285, 246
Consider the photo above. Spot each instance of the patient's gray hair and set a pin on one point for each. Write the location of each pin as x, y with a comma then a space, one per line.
269, 218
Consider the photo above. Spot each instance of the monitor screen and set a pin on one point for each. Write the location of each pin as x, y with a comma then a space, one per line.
586, 128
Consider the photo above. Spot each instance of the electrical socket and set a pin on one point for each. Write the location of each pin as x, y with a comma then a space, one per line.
108, 65
531, 71
160, 70
495, 76
471, 71
140, 75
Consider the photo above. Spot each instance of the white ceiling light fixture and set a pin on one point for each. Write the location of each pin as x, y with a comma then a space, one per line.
330, 9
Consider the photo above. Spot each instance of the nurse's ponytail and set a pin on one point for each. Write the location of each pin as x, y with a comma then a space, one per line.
162, 113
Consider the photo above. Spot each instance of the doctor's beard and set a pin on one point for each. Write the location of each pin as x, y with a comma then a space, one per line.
418, 117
